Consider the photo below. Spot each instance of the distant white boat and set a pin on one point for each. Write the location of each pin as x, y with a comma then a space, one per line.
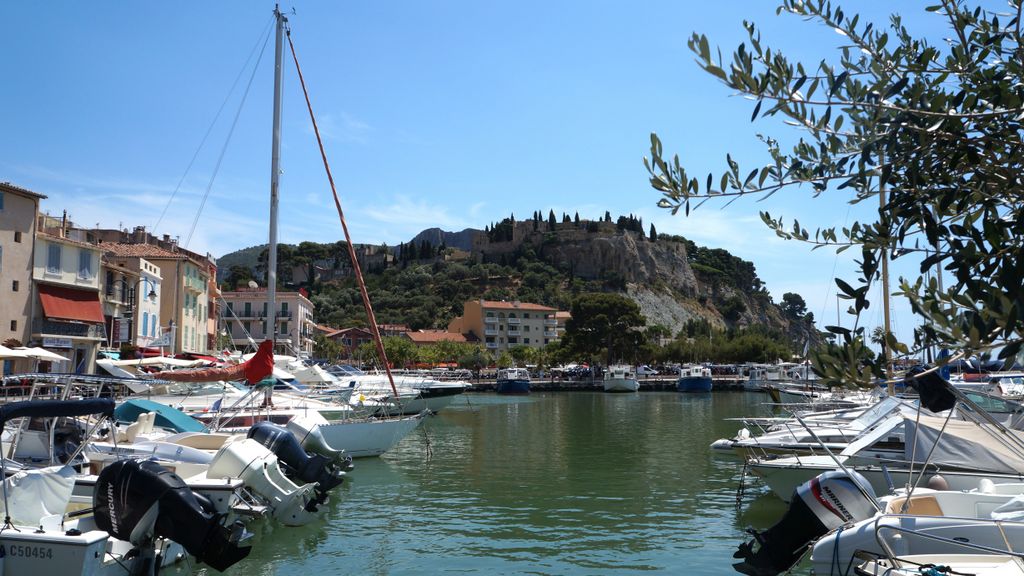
620, 378
513, 381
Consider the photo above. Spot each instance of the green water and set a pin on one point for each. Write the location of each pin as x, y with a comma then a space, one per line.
559, 483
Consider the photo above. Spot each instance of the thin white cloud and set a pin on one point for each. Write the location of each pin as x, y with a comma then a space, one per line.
342, 127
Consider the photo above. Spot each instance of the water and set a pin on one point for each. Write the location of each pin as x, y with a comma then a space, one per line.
559, 483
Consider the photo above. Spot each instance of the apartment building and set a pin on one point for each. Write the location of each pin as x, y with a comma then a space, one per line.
19, 209
131, 301
183, 303
67, 315
245, 315
503, 325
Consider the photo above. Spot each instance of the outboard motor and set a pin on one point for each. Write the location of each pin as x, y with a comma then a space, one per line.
137, 500
296, 462
312, 440
819, 505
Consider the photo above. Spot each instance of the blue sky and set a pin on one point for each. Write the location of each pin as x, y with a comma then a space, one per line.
449, 113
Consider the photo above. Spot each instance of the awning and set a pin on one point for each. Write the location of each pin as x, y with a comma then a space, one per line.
70, 304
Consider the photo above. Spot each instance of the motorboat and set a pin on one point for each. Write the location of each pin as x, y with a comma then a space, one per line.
620, 378
694, 378
513, 381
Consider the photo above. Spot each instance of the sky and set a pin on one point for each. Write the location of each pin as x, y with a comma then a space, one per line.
451, 114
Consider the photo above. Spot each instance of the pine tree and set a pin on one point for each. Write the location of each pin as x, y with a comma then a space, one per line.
577, 219
654, 233
551, 220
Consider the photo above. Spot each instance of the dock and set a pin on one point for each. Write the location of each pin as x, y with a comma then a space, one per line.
654, 384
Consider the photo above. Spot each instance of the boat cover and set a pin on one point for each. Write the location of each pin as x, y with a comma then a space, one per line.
965, 445
166, 417
39, 492
55, 408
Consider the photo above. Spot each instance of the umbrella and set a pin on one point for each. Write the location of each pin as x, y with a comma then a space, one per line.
9, 353
42, 354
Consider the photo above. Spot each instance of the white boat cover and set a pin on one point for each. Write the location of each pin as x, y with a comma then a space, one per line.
1012, 510
965, 445
39, 492
872, 435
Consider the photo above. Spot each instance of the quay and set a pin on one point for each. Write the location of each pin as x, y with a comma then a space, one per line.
667, 384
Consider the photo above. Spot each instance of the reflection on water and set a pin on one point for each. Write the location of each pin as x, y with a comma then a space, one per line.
559, 483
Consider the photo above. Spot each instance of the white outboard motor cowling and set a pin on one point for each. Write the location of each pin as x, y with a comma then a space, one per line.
819, 505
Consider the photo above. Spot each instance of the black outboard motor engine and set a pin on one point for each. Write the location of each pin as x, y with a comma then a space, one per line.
327, 473
817, 506
136, 500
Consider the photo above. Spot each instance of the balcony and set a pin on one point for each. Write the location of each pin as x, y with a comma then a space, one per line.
491, 345
196, 285
490, 331
72, 329
513, 332
284, 313
490, 320
514, 321
550, 333
550, 322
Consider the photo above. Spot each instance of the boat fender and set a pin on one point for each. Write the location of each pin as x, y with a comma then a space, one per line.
296, 462
819, 505
138, 500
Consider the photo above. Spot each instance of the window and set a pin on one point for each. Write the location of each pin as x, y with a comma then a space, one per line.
14, 286
85, 264
247, 326
1, 258
1, 201
526, 340
145, 323
53, 259
526, 328
17, 236
526, 314
545, 340
14, 325
110, 283
489, 339
513, 340
284, 328
248, 311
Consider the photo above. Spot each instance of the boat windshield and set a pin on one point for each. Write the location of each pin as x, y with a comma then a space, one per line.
875, 413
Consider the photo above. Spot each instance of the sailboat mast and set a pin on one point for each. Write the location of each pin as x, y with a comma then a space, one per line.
275, 174
891, 387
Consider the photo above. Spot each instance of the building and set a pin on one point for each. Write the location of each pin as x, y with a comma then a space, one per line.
503, 325
392, 329
561, 317
428, 337
131, 301
351, 339
67, 315
245, 316
19, 209
184, 299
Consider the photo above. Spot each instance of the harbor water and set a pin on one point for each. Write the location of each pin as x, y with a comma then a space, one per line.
552, 483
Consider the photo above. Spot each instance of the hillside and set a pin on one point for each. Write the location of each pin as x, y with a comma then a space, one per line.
675, 282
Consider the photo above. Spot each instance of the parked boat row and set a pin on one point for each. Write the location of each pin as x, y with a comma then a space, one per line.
891, 485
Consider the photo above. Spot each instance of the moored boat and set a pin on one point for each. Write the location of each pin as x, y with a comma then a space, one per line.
620, 378
513, 381
694, 379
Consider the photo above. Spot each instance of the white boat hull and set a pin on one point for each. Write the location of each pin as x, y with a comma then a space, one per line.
370, 437
621, 385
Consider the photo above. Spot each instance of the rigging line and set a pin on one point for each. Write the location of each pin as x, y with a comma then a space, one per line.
344, 226
224, 149
216, 117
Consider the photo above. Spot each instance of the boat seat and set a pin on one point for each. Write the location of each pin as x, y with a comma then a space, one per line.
923, 505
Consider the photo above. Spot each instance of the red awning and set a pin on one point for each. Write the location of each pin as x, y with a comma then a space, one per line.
70, 304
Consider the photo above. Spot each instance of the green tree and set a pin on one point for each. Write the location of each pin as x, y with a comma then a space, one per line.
326, 349
793, 305
238, 276
604, 324
522, 354
401, 352
929, 130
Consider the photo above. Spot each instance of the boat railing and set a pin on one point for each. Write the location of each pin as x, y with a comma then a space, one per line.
901, 530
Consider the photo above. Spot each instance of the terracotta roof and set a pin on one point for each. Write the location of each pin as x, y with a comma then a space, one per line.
147, 251
563, 314
8, 187
431, 336
515, 306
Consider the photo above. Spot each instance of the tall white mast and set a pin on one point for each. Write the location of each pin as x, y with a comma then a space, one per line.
275, 174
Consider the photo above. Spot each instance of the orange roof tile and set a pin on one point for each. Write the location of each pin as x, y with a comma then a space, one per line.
502, 305
147, 251
431, 336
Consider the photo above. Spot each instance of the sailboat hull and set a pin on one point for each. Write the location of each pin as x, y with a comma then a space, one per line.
370, 437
